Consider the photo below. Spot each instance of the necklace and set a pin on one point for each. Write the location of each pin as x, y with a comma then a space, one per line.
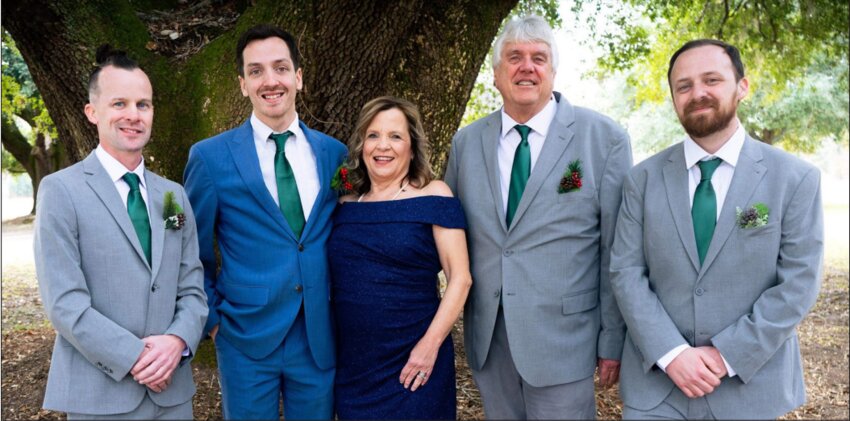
394, 196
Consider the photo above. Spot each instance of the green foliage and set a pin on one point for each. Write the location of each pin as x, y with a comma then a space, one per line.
795, 54
778, 40
170, 207
22, 105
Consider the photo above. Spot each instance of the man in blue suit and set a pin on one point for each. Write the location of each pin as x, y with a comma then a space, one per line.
262, 192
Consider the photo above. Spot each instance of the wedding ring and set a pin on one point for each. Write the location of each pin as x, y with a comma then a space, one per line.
422, 375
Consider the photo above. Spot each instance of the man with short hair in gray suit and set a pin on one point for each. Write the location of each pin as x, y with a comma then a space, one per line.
116, 254
540, 182
716, 259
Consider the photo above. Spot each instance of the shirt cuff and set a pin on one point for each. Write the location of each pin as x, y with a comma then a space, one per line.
186, 353
729, 371
668, 358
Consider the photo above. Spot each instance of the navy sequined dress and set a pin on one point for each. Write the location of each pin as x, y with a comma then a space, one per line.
384, 267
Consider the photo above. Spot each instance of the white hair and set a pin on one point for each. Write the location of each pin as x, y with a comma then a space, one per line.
531, 28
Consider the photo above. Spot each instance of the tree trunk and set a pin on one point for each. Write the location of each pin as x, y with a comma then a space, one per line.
426, 51
38, 160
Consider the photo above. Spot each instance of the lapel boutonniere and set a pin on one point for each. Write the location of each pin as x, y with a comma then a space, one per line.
571, 181
340, 183
172, 212
752, 217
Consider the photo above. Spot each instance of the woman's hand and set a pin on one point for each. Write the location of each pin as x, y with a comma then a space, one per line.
419, 365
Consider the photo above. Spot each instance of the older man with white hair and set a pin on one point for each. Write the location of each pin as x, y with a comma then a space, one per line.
540, 182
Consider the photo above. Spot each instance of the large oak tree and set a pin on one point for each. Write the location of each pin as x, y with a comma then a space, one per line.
428, 51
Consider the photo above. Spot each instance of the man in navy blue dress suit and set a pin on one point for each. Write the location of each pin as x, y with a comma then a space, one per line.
262, 192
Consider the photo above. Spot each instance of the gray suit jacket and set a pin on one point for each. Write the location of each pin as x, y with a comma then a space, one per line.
101, 295
550, 269
754, 287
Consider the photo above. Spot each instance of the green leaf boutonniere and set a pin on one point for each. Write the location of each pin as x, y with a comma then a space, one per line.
571, 181
752, 217
340, 183
172, 212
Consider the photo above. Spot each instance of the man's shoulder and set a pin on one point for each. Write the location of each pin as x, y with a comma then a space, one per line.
776, 158
658, 160
478, 126
596, 120
219, 140
326, 139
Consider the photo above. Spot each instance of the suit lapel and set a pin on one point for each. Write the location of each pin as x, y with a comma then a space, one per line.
678, 198
104, 188
748, 174
155, 205
489, 148
248, 165
556, 143
322, 165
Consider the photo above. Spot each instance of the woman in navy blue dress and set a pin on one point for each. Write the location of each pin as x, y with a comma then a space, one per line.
392, 234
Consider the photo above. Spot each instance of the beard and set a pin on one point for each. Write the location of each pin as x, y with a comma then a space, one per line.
705, 124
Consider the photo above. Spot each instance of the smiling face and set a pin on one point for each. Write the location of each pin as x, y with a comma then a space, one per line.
705, 92
270, 81
122, 109
387, 148
525, 78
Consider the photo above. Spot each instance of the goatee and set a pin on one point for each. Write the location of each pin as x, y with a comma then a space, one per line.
707, 123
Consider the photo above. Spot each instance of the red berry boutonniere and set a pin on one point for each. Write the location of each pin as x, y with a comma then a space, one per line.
340, 183
572, 178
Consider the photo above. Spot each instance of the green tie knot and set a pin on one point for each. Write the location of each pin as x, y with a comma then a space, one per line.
523, 131
280, 140
132, 180
707, 168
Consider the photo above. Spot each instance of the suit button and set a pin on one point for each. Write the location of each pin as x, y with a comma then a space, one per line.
154, 287
497, 293
508, 253
298, 288
301, 247
699, 291
99, 364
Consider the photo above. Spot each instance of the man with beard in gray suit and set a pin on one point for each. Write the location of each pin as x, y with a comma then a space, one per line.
717, 258
118, 268
540, 182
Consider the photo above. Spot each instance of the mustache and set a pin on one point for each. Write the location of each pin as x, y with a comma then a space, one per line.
701, 103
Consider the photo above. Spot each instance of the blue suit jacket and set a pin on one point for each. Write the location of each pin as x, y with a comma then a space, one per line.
266, 272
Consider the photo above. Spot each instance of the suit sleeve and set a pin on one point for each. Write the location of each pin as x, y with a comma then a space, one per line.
650, 327
452, 167
64, 291
754, 338
204, 200
617, 165
191, 309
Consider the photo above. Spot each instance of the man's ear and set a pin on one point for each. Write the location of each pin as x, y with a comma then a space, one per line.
90, 114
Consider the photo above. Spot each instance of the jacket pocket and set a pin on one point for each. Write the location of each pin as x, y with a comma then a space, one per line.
246, 294
579, 302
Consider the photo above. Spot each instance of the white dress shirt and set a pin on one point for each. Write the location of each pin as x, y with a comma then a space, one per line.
300, 156
510, 139
720, 181
116, 171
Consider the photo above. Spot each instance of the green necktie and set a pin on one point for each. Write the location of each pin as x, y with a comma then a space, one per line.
704, 211
287, 189
519, 172
138, 213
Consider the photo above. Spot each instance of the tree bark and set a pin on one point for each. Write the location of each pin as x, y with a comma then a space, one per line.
426, 51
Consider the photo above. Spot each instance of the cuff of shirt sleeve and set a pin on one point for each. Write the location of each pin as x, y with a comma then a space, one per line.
668, 358
729, 371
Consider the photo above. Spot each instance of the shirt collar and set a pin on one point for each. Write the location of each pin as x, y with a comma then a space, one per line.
729, 152
262, 131
539, 123
115, 169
